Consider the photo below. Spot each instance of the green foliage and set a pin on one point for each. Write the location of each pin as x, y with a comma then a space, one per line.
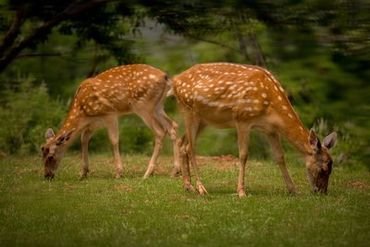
320, 90
319, 50
26, 111
135, 137
350, 147
102, 211
30, 24
214, 142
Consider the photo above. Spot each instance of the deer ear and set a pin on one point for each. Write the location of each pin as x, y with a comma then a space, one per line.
49, 134
64, 137
314, 141
330, 140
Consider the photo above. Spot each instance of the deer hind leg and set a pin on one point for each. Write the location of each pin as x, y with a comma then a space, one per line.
243, 141
152, 122
113, 133
278, 156
184, 159
85, 138
171, 128
193, 125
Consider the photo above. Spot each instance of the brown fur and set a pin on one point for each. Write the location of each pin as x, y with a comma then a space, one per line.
99, 101
238, 96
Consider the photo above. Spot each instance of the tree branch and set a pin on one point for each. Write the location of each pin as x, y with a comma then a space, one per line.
74, 9
38, 54
13, 31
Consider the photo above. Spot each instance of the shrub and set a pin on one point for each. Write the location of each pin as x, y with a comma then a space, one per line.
349, 146
135, 137
26, 111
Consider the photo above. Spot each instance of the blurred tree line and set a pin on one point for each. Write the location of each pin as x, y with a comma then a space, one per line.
319, 50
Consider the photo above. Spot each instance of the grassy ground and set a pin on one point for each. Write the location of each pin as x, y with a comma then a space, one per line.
103, 211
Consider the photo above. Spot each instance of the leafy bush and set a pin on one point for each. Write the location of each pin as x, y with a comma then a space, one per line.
26, 111
224, 142
349, 147
135, 137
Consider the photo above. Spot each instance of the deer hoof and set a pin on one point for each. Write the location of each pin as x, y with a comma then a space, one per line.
149, 172
189, 188
176, 172
201, 189
241, 193
83, 175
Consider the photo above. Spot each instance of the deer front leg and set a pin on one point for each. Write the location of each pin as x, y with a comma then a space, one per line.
113, 133
85, 138
278, 156
243, 141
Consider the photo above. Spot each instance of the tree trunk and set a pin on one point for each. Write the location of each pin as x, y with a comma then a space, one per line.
255, 50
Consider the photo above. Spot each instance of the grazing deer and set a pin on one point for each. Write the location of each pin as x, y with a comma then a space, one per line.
228, 95
99, 101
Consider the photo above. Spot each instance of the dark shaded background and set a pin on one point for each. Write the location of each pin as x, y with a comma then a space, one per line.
319, 50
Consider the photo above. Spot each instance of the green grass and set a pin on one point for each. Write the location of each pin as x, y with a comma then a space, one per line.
103, 211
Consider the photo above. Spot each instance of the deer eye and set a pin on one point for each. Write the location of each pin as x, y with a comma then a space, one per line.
330, 165
44, 150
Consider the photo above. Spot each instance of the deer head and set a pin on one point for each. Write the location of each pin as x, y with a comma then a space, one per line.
318, 162
52, 151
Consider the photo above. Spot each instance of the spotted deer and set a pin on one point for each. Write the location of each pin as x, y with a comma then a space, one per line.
228, 95
99, 101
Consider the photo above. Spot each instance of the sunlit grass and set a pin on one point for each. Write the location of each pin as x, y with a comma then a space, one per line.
103, 211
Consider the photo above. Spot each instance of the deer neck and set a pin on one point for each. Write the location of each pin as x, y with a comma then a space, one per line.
296, 133
72, 124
